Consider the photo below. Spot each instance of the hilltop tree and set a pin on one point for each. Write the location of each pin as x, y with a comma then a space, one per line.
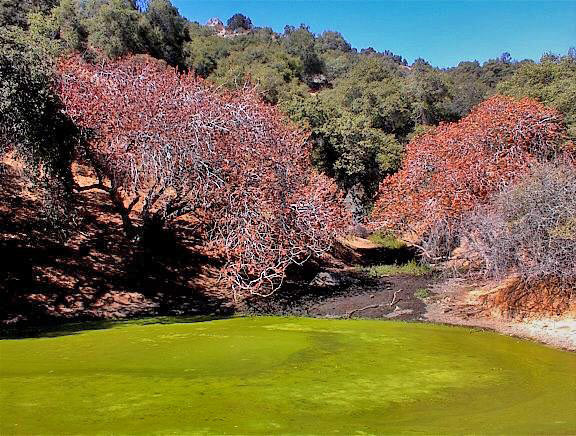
302, 43
497, 70
203, 53
552, 81
167, 145
267, 66
429, 93
239, 21
330, 40
71, 27
166, 33
456, 166
375, 89
115, 28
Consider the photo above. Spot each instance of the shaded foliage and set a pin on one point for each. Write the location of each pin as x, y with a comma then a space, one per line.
114, 27
167, 32
32, 125
15, 12
356, 155
239, 21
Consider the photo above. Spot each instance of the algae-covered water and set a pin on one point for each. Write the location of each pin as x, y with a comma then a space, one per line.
285, 375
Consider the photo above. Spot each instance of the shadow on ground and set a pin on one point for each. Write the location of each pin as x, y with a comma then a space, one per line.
97, 273
58, 328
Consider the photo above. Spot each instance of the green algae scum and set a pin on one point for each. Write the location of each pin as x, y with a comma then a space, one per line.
285, 376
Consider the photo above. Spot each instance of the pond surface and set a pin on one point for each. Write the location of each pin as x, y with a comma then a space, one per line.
285, 375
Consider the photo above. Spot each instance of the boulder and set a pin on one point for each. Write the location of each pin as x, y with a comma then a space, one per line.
325, 280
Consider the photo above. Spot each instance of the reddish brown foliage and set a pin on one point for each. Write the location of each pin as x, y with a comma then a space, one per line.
457, 166
167, 144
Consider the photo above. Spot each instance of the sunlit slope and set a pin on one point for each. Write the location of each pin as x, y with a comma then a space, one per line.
285, 375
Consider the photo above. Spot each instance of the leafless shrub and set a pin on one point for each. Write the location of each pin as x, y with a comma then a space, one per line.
530, 227
442, 238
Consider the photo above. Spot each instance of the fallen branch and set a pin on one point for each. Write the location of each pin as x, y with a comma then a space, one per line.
394, 297
372, 306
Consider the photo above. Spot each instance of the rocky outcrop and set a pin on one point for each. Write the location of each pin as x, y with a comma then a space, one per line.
215, 23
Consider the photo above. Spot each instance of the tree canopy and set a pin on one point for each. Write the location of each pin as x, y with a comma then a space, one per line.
362, 107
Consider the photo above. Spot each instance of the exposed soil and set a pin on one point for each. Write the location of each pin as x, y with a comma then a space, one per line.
97, 273
460, 301
347, 293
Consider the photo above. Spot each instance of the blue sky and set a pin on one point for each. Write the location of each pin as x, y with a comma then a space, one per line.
442, 32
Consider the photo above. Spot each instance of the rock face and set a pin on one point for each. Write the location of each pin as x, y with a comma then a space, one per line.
221, 30
216, 23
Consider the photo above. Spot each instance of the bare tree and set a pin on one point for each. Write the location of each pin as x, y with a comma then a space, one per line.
167, 145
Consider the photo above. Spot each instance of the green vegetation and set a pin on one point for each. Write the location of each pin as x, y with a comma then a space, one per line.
411, 268
32, 124
422, 293
552, 81
359, 109
365, 107
284, 375
387, 240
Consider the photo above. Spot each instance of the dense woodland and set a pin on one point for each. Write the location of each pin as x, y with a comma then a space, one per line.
273, 144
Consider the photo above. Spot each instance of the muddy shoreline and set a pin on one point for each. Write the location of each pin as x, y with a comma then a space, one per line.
349, 293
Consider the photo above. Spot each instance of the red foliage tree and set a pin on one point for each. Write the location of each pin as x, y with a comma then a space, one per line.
167, 145
457, 166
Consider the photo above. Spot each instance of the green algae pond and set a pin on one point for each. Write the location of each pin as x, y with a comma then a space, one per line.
284, 376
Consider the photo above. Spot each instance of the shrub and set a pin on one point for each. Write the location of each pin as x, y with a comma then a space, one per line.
530, 227
457, 166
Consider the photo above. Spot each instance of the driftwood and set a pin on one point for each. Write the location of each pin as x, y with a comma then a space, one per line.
376, 306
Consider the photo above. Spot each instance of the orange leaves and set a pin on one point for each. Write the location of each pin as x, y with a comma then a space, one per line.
450, 169
181, 147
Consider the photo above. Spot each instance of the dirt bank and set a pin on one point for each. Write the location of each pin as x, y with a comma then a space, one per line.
349, 293
459, 302
97, 273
